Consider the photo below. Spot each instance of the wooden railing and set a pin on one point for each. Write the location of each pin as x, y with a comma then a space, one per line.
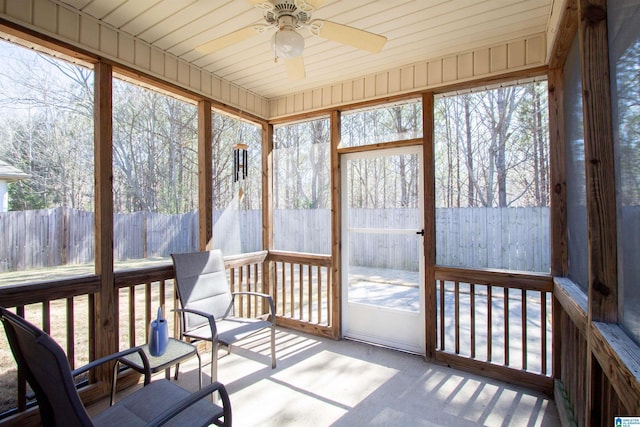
64, 308
595, 353
302, 291
497, 322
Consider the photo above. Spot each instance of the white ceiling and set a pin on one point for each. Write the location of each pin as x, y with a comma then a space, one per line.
416, 30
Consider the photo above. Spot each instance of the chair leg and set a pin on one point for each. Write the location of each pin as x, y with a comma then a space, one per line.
214, 361
273, 347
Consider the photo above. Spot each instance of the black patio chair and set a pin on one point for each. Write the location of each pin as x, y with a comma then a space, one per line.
208, 305
45, 366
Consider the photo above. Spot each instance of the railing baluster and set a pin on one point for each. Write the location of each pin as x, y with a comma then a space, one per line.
300, 289
320, 302
132, 316
46, 316
543, 332
248, 289
442, 315
456, 295
22, 381
472, 318
292, 286
506, 325
523, 317
310, 292
162, 298
71, 342
489, 323
147, 308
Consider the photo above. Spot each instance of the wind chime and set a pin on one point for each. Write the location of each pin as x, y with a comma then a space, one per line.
240, 167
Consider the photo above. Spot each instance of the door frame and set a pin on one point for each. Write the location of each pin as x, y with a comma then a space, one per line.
344, 230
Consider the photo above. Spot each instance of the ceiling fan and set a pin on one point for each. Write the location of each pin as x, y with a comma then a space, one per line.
287, 17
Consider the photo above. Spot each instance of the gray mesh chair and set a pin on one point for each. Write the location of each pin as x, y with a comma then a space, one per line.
208, 305
47, 370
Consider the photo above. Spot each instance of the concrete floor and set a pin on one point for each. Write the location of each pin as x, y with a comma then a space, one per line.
320, 382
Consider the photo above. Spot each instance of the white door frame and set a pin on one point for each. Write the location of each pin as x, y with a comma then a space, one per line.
405, 330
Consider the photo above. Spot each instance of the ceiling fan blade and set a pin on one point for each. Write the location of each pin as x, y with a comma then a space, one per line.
227, 40
295, 68
314, 3
352, 36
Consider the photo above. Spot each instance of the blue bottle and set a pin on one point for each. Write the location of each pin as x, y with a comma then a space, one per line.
158, 335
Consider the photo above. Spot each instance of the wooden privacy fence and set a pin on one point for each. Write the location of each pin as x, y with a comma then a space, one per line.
506, 238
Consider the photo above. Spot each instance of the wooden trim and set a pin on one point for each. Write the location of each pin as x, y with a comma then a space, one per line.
133, 277
429, 223
306, 327
559, 253
241, 260
35, 292
509, 279
619, 358
530, 380
106, 334
336, 225
567, 29
48, 43
563, 404
300, 258
491, 80
381, 146
268, 268
574, 302
599, 152
205, 171
57, 47
267, 186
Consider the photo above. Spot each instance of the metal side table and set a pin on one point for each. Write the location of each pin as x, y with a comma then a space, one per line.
177, 351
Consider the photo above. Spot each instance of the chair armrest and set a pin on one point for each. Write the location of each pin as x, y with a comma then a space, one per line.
269, 298
112, 357
193, 398
208, 316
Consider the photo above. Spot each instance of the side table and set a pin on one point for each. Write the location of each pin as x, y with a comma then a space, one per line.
177, 351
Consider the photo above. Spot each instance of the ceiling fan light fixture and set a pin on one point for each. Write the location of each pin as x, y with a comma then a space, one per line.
287, 43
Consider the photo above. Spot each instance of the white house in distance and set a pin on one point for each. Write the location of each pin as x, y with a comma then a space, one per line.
8, 174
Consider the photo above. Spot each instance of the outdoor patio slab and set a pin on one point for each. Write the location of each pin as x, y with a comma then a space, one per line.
321, 382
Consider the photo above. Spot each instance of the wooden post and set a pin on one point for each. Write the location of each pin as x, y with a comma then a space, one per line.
106, 339
558, 213
600, 183
268, 267
429, 239
205, 173
336, 227
599, 162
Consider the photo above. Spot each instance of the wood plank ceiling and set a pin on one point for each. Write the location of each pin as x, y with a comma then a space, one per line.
417, 30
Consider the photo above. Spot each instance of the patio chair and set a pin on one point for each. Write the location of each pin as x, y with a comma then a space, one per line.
208, 305
47, 370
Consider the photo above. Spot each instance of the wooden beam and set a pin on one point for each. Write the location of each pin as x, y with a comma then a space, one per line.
600, 185
564, 37
599, 162
557, 160
429, 221
205, 173
619, 358
336, 225
106, 339
268, 267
